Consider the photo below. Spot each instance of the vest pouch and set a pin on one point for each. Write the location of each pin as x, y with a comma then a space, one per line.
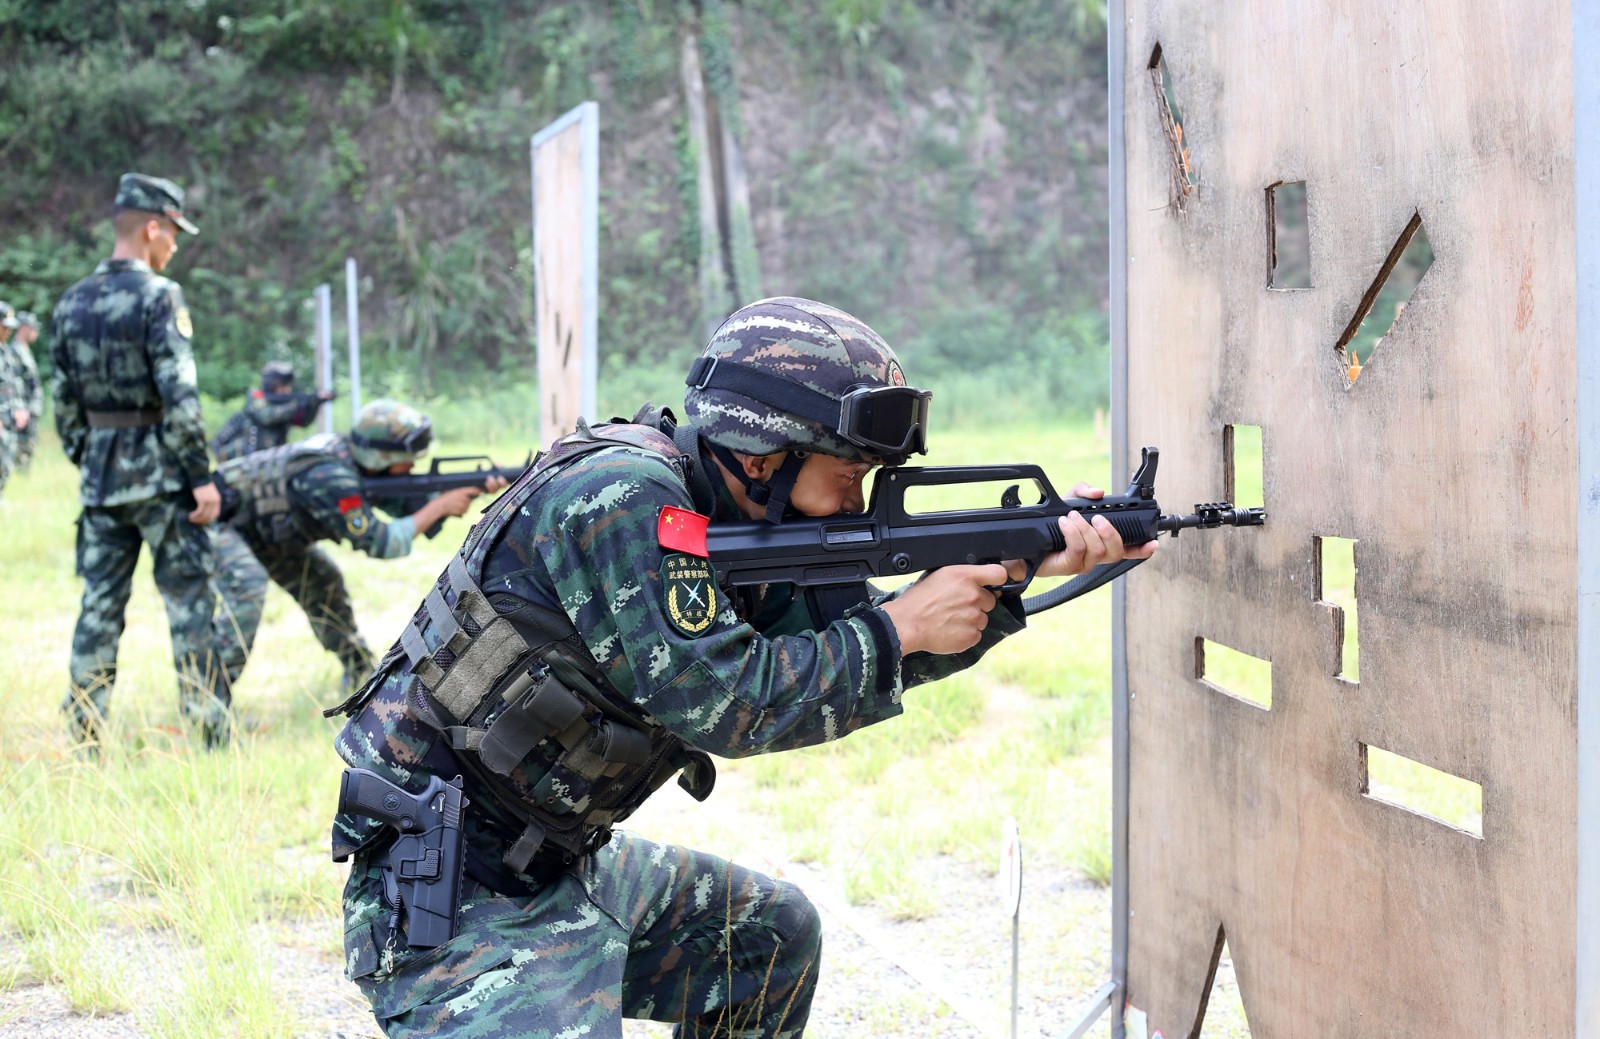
543, 707
606, 750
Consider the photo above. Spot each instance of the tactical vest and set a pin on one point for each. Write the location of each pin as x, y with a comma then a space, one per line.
243, 435
261, 480
496, 676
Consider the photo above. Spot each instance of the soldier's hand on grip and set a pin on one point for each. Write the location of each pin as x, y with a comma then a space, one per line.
947, 609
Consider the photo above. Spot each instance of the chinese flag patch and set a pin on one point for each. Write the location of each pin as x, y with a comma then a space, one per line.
682, 531
350, 504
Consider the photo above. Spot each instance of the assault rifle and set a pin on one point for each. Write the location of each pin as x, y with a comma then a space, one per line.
888, 540
422, 874
410, 491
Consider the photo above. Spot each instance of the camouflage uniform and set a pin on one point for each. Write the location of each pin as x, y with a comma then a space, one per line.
32, 391
568, 944
321, 500
128, 412
267, 415
12, 393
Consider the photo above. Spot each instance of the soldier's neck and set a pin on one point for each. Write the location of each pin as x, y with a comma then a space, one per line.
131, 250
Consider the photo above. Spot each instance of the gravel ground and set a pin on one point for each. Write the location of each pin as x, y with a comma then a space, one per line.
946, 976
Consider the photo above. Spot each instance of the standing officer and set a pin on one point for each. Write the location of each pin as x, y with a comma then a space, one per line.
128, 412
33, 390
264, 421
13, 394
578, 652
278, 504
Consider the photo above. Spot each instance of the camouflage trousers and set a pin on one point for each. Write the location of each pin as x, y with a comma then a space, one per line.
638, 929
27, 440
8, 442
109, 539
308, 574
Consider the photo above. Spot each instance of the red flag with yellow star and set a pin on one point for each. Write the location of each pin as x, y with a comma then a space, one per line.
682, 530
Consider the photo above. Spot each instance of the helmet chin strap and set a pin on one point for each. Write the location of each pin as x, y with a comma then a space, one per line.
772, 493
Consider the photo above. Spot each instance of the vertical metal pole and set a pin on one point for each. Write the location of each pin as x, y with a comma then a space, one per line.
352, 331
1586, 213
324, 297
1117, 180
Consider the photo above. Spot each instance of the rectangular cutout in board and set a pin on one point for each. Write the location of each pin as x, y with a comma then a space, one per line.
1243, 476
1400, 782
1234, 673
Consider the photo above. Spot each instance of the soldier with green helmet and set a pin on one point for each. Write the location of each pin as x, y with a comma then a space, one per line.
278, 503
27, 418
578, 652
128, 411
271, 409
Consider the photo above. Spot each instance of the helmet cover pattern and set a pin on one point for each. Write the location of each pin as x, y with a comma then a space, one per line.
811, 343
385, 420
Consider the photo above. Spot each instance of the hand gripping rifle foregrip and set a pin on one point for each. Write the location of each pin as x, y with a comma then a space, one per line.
423, 873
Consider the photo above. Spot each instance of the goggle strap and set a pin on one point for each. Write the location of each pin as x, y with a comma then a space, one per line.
713, 373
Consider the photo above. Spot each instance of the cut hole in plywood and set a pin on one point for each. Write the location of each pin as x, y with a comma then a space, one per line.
1386, 298
1234, 673
1221, 1011
1410, 785
1182, 173
1336, 589
1242, 479
1288, 236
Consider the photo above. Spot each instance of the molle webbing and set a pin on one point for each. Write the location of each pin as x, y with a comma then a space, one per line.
262, 483
498, 676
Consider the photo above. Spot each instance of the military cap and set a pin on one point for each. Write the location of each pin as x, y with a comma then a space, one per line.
27, 319
153, 195
8, 316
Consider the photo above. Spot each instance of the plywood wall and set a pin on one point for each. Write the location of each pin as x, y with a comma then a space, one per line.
1452, 459
565, 216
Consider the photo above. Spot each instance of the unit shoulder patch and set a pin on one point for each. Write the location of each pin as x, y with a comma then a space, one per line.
184, 325
690, 593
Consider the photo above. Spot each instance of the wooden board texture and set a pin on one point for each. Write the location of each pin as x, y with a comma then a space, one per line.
1452, 459
558, 205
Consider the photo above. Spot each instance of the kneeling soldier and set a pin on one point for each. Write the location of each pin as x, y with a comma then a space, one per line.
278, 504
578, 652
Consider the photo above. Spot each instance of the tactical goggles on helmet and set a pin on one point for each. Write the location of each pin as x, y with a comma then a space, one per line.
415, 441
888, 421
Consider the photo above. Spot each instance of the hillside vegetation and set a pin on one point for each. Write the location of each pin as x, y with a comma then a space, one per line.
937, 168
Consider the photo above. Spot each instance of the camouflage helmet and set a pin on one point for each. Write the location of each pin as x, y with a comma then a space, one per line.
276, 374
387, 432
793, 374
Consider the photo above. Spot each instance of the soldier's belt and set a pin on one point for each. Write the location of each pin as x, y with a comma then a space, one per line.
124, 419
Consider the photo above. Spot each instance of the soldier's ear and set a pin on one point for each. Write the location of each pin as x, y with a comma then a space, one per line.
761, 467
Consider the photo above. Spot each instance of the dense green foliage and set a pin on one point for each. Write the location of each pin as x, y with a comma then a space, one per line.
936, 167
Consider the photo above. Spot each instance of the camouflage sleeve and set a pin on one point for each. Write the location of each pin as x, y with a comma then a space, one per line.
1005, 619
167, 332
11, 395
283, 409
32, 388
306, 409
72, 425
333, 496
669, 639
